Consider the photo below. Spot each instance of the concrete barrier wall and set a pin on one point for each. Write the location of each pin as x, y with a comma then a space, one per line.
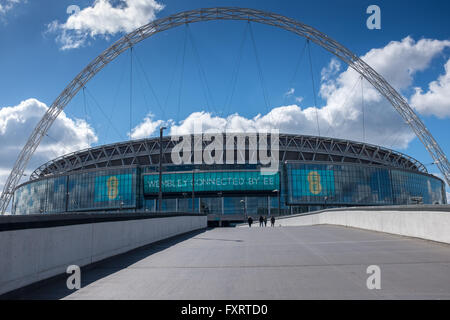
426, 223
34, 254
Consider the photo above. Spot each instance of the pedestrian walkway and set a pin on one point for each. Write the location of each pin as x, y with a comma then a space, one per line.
314, 262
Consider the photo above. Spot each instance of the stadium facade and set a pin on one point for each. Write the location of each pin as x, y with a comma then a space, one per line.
312, 173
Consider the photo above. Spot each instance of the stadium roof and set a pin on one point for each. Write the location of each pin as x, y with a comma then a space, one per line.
145, 152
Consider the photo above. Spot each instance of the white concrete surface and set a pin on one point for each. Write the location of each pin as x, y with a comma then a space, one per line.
31, 255
429, 225
312, 262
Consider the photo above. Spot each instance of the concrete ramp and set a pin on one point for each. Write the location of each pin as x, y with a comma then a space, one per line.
311, 262
425, 222
35, 248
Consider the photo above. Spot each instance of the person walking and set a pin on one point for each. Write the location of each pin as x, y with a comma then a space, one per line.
272, 221
250, 221
261, 221
265, 221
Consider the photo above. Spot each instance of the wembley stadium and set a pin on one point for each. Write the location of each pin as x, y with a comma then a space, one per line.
313, 173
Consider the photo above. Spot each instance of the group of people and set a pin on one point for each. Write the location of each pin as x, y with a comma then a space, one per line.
262, 221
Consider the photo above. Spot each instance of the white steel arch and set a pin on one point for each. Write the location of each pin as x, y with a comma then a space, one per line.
221, 13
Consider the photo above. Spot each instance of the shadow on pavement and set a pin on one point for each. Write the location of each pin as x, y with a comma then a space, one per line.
56, 288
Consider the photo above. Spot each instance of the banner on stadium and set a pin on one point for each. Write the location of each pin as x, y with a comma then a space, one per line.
113, 188
211, 181
312, 183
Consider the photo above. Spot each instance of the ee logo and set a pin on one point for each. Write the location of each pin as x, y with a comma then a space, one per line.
315, 187
113, 187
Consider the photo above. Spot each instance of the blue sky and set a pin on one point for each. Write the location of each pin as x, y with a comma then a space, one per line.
411, 50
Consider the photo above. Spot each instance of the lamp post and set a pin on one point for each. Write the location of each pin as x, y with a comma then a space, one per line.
279, 200
160, 168
193, 189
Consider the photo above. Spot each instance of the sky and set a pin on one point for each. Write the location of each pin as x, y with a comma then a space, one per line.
227, 75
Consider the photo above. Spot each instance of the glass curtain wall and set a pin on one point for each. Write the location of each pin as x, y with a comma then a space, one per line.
331, 184
302, 185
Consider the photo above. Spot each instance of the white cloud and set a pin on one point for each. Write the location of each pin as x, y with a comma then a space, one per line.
436, 101
342, 115
146, 128
400, 60
397, 62
331, 70
327, 76
8, 5
16, 124
104, 18
290, 92
286, 118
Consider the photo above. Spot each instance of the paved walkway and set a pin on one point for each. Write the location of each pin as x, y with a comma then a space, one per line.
314, 262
